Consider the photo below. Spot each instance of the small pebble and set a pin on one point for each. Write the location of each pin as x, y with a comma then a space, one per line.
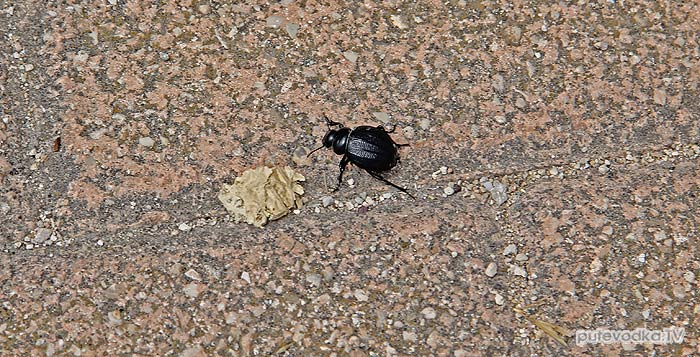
499, 299
602, 45
659, 236
292, 29
327, 201
192, 290
516, 270
146, 141
499, 198
498, 83
42, 234
398, 21
382, 117
595, 266
361, 296
274, 21
314, 279
449, 190
510, 249
204, 9
184, 227
299, 156
245, 276
429, 313
410, 336
350, 56
608, 230
491, 270
193, 274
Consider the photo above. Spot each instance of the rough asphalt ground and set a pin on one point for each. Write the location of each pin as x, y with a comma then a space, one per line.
554, 156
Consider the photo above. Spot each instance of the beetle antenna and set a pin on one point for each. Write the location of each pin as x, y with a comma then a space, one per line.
314, 150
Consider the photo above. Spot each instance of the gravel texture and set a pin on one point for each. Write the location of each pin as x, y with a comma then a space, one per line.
554, 159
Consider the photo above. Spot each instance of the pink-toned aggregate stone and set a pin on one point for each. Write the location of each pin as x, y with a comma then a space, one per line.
505, 91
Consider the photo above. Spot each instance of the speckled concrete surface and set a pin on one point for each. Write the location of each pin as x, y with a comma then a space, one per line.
554, 156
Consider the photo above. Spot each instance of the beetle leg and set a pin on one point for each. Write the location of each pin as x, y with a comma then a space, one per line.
331, 123
393, 129
380, 178
343, 163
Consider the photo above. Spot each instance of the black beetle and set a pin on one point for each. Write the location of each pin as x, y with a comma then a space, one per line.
369, 148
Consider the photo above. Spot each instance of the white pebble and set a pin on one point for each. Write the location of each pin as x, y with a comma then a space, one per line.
510, 249
429, 313
350, 56
491, 270
146, 141
516, 270
193, 274
360, 295
449, 190
499, 299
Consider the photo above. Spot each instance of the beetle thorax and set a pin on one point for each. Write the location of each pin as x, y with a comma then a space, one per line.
338, 139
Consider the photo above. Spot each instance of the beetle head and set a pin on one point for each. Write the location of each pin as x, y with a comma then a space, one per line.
338, 139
